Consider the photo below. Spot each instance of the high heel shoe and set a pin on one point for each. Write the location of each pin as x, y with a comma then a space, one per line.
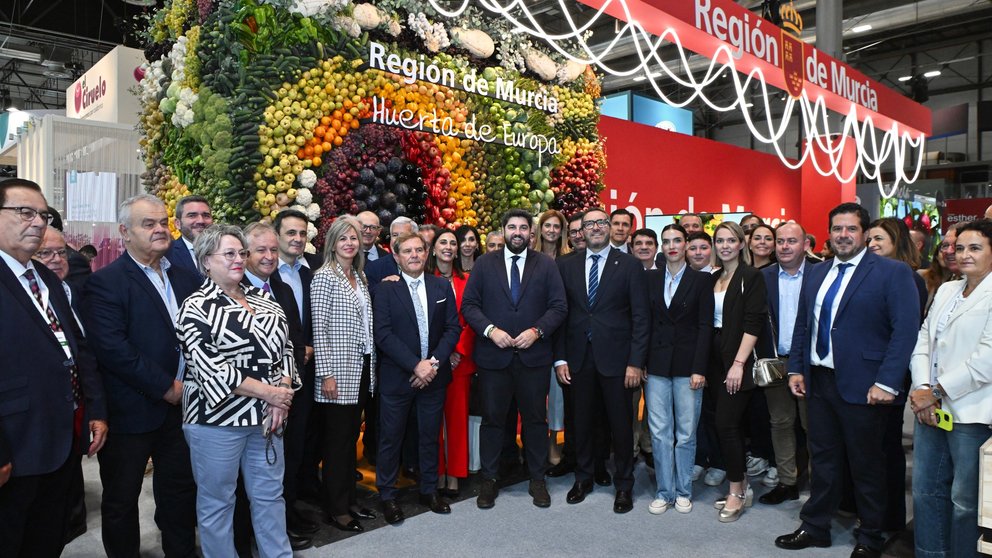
747, 499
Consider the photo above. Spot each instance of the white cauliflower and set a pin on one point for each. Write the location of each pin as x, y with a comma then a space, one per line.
433, 34
313, 212
304, 197
367, 16
311, 231
308, 178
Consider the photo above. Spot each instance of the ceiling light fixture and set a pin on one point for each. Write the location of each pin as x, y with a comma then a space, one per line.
861, 28
905, 78
932, 73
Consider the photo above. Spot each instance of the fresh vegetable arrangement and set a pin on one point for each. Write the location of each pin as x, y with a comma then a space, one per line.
262, 105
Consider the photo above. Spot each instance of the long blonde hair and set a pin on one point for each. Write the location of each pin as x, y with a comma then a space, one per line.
338, 228
562, 247
745, 252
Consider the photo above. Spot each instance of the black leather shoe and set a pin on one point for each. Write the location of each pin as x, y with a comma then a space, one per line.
539, 491
579, 491
603, 478
487, 494
449, 493
435, 503
862, 551
352, 526
392, 512
561, 469
624, 502
799, 540
779, 494
361, 513
299, 542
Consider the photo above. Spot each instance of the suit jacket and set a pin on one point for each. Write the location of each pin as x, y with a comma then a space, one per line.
376, 271
766, 347
36, 403
135, 340
618, 322
79, 268
179, 256
745, 310
682, 332
305, 321
283, 295
487, 301
873, 333
965, 364
397, 334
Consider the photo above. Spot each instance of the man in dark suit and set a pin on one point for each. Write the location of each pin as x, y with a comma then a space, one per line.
416, 329
855, 332
260, 267
370, 236
192, 217
515, 307
381, 268
129, 310
49, 386
783, 283
601, 350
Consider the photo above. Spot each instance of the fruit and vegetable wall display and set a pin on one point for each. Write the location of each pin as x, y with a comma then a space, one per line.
333, 107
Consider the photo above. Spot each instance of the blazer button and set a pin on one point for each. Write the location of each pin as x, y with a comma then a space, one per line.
68, 398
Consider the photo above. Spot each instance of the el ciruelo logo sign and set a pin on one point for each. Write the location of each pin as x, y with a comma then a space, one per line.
84, 96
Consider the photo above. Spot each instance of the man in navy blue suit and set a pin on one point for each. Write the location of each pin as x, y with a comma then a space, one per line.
515, 301
49, 383
855, 331
192, 218
379, 269
416, 329
129, 310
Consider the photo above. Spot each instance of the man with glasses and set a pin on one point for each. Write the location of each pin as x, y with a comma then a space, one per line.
192, 218
575, 238
49, 374
370, 236
130, 309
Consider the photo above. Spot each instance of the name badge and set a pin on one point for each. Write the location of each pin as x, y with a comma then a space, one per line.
64, 343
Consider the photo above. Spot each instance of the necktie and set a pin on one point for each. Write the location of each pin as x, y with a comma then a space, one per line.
593, 278
367, 255
823, 323
421, 318
515, 280
53, 322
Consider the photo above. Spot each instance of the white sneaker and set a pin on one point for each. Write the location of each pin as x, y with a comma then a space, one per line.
658, 506
771, 478
697, 472
714, 476
683, 504
756, 466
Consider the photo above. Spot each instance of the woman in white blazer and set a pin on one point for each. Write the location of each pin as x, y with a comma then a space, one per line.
952, 371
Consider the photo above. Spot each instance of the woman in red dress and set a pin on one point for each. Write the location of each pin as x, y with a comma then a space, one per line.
453, 458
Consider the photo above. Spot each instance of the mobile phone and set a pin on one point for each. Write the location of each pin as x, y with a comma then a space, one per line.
944, 419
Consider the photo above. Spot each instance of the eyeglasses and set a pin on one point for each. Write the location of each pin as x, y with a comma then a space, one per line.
371, 228
231, 254
46, 253
589, 225
574, 232
29, 213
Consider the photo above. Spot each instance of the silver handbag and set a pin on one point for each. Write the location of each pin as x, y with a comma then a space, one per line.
769, 372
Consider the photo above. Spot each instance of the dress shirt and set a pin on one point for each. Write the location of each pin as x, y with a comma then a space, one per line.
421, 293
601, 264
622, 247
789, 287
372, 254
672, 283
68, 294
164, 288
828, 361
507, 255
258, 282
19, 270
192, 253
290, 274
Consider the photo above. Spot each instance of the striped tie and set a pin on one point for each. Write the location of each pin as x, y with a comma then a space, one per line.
593, 278
53, 322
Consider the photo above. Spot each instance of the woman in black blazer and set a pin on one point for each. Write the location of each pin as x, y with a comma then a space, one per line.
678, 357
740, 313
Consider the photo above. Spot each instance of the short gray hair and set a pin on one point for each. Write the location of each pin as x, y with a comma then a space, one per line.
404, 221
259, 228
208, 241
124, 211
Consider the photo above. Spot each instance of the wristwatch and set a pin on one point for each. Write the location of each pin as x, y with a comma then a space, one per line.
938, 393
539, 331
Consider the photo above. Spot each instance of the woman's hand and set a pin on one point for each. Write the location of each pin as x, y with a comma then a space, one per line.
279, 397
735, 376
279, 417
329, 388
922, 402
697, 381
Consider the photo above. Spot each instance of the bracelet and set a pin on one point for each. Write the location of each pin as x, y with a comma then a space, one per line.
738, 362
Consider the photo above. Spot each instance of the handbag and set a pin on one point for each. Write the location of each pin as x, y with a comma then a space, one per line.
768, 372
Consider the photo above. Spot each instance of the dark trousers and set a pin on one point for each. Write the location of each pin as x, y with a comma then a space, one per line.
839, 433
295, 437
730, 411
370, 438
759, 427
568, 448
394, 413
707, 440
308, 476
497, 387
341, 426
589, 388
122, 469
33, 512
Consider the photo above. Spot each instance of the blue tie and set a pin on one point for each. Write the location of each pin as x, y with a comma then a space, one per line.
421, 318
593, 278
514, 280
823, 323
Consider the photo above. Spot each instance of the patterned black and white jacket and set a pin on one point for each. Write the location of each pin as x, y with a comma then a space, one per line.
223, 344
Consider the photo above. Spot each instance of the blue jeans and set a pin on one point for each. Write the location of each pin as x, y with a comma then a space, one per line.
217, 454
673, 414
945, 489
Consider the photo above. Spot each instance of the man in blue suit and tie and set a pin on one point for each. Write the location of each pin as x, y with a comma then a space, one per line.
192, 218
416, 329
49, 382
855, 330
129, 311
514, 300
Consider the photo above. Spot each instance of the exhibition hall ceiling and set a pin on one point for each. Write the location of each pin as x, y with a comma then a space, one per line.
46, 44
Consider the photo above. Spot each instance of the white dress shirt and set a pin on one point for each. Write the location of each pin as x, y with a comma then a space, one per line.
622, 247
672, 283
164, 288
290, 274
601, 264
789, 287
421, 293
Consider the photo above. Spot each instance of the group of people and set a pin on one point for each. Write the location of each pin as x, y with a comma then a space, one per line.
247, 370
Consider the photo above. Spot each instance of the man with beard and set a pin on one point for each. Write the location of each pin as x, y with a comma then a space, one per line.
192, 218
514, 300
